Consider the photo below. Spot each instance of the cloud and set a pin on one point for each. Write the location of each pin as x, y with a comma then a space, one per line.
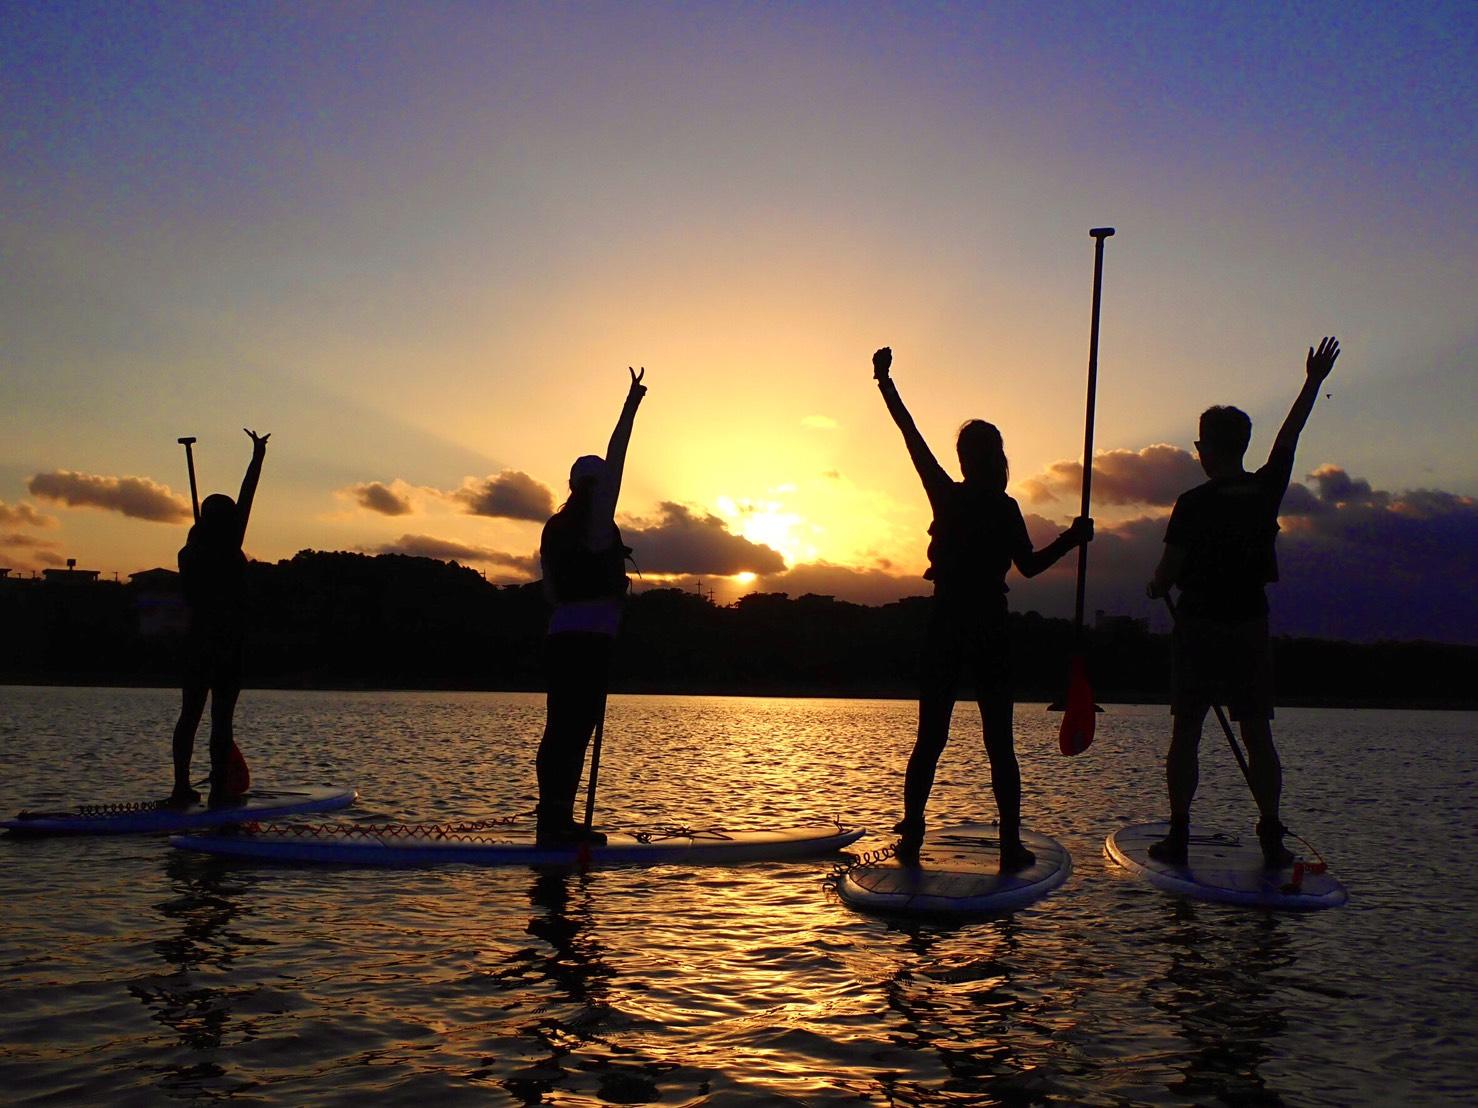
1337, 487
859, 585
19, 550
378, 497
819, 423
24, 515
682, 542
1155, 475
136, 497
449, 550
508, 495
1355, 562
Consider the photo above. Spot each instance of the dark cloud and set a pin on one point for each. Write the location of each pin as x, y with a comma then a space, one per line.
24, 515
1155, 475
1356, 563
1338, 488
137, 497
449, 550
682, 542
378, 497
508, 495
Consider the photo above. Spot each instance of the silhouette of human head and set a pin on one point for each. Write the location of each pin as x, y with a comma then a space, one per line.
983, 455
586, 467
1225, 433
217, 524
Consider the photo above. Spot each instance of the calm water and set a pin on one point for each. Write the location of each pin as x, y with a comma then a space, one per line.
134, 974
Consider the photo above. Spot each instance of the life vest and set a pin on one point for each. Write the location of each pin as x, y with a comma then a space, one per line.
574, 570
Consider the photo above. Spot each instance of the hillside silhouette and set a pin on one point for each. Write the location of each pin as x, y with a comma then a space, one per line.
345, 620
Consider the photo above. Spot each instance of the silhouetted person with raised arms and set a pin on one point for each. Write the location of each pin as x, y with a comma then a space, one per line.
1219, 549
977, 534
213, 577
584, 564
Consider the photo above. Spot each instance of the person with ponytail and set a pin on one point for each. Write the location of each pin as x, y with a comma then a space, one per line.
213, 577
977, 534
584, 565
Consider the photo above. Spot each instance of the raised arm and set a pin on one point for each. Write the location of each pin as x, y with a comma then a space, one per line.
609, 489
1320, 363
249, 482
930, 471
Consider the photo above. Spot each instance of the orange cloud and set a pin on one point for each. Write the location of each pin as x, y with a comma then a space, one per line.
24, 515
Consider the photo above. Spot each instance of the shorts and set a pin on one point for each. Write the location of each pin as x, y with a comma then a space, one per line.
1221, 663
968, 639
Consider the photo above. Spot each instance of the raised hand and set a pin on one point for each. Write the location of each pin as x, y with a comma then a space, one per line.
1321, 361
882, 361
1080, 531
636, 379
258, 442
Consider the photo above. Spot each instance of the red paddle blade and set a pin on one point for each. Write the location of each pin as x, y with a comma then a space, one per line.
1081, 714
238, 775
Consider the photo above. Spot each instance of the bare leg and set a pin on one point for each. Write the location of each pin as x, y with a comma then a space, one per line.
222, 733
192, 706
935, 710
996, 712
1182, 775
1266, 777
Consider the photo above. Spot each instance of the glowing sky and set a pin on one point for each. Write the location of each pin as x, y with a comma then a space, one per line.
420, 245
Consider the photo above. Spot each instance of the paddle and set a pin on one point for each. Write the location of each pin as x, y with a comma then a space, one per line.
1080, 713
600, 730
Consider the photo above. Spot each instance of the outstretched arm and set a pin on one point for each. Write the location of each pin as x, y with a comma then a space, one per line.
930, 471
249, 482
1032, 562
609, 489
1320, 363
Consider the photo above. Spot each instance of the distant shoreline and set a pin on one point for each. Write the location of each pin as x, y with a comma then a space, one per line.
1456, 704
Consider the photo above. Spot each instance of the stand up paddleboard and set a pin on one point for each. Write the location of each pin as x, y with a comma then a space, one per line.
958, 874
1225, 869
127, 819
367, 844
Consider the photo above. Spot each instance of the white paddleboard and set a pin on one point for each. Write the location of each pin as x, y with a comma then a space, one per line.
429, 844
958, 874
1226, 869
125, 819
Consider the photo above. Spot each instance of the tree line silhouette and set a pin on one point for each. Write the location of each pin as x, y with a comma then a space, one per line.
345, 620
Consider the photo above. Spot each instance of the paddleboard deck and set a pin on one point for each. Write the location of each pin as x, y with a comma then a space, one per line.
1225, 869
958, 874
426, 845
153, 816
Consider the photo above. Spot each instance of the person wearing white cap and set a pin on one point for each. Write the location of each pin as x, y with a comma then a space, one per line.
584, 565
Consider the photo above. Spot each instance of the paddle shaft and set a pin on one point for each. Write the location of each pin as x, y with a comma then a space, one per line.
1226, 726
600, 730
1099, 234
